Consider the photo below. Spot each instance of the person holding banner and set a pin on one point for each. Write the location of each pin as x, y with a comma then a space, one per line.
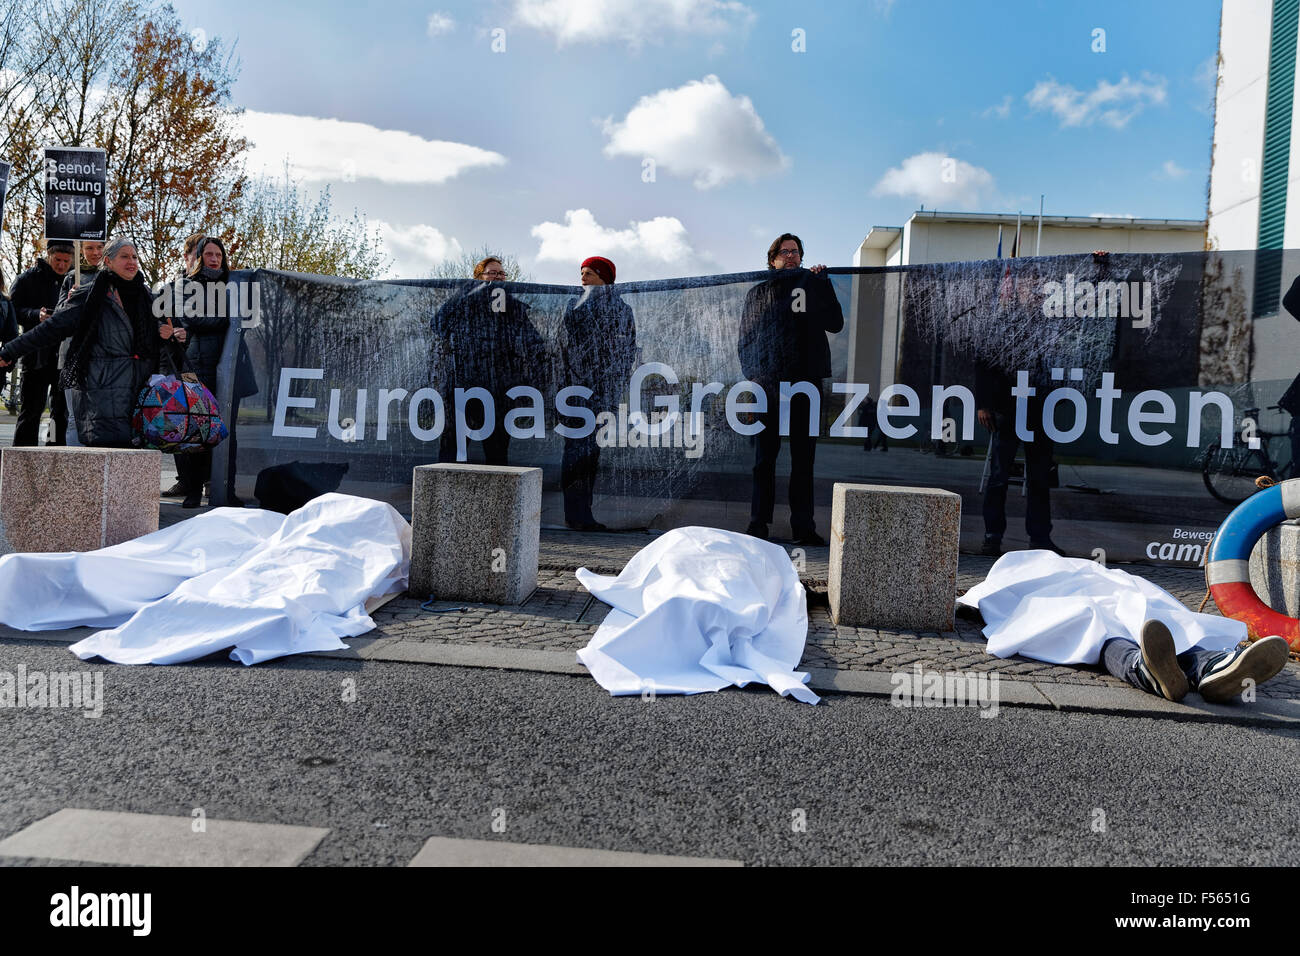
491, 343
599, 352
35, 297
117, 343
783, 339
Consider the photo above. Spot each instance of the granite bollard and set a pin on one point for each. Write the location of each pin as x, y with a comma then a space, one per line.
893, 560
1275, 568
76, 498
476, 532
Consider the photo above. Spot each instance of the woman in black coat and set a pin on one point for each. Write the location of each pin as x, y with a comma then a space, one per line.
207, 338
117, 343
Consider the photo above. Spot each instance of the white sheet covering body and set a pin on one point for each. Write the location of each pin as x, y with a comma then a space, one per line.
1062, 610
50, 592
697, 610
262, 583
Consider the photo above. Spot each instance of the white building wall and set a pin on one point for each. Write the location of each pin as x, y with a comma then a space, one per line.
1239, 126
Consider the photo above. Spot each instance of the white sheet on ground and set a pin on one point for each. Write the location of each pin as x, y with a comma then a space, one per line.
1062, 610
49, 592
697, 610
261, 583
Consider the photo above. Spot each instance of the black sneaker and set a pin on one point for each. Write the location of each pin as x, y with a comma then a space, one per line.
1046, 544
192, 500
1158, 667
810, 538
175, 491
1260, 661
758, 530
992, 547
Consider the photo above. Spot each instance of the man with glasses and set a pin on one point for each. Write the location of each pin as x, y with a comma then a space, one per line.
483, 337
783, 339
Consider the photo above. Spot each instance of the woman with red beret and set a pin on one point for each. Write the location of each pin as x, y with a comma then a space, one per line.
599, 352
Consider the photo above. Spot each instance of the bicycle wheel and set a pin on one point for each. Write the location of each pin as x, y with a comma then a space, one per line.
1230, 473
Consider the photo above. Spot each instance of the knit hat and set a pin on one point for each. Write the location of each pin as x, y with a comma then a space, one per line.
601, 266
58, 245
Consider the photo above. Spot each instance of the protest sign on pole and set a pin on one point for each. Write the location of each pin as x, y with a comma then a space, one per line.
76, 188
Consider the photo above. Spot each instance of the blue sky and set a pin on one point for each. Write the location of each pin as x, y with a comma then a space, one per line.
540, 149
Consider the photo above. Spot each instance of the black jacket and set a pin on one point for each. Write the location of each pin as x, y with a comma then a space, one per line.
495, 349
780, 344
126, 351
599, 344
205, 331
35, 289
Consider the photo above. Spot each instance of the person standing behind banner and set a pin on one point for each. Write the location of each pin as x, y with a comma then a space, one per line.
207, 286
599, 351
117, 343
783, 332
35, 297
490, 343
92, 254
1290, 400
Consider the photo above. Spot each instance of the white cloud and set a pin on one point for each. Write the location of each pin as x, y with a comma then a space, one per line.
415, 250
938, 181
1113, 104
699, 130
1112, 215
321, 150
651, 249
440, 23
1172, 170
1001, 111
630, 21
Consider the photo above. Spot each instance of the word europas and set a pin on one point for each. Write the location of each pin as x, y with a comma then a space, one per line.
744, 401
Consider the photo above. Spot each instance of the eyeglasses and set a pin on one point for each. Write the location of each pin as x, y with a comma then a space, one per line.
789, 253
494, 274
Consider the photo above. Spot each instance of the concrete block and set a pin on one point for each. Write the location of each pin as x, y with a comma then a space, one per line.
476, 532
1275, 568
893, 557
77, 498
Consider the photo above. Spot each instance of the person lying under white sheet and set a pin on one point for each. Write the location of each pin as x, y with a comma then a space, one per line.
1073, 611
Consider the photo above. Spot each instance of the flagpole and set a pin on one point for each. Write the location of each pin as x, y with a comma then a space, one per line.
1039, 241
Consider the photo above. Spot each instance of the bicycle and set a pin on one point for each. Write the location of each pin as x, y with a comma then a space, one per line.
1230, 473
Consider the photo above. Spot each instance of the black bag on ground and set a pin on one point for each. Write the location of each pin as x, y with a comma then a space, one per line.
286, 488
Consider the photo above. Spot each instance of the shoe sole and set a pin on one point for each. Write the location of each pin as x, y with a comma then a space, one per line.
1259, 662
1161, 661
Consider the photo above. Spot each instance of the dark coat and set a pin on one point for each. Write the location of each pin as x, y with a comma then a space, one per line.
35, 289
599, 344
116, 372
487, 348
779, 344
205, 332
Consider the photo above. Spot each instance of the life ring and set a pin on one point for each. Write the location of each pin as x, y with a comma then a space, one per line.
1227, 563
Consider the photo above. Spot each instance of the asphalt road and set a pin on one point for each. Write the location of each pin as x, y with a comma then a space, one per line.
433, 751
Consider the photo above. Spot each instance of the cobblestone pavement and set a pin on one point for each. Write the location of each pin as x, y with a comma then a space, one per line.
561, 615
